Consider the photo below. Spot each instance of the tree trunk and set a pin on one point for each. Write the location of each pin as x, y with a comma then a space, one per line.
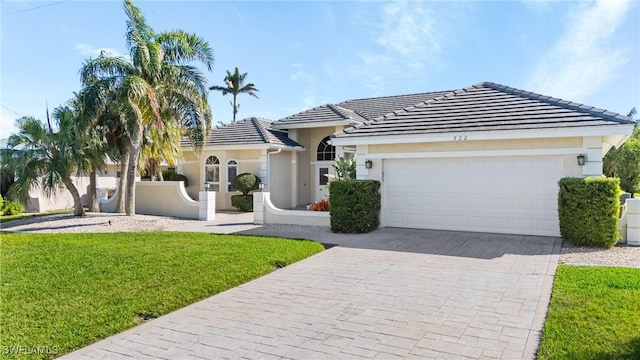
122, 186
93, 192
130, 204
78, 210
235, 108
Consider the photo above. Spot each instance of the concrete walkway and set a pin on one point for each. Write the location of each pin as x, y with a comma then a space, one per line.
394, 293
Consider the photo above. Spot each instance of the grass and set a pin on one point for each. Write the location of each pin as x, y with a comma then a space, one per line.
60, 292
594, 314
6, 218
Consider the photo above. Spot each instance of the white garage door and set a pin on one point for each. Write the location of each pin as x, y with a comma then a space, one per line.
511, 195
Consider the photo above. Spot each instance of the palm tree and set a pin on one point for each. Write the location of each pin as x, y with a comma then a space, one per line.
156, 89
41, 157
235, 85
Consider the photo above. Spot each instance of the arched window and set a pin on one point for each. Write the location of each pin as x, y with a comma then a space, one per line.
326, 151
232, 172
212, 173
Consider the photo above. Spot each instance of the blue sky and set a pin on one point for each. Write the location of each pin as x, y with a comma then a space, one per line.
304, 54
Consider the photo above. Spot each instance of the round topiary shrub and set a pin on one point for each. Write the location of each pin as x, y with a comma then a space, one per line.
245, 183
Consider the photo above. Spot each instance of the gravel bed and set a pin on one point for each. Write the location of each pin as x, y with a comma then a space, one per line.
621, 255
93, 222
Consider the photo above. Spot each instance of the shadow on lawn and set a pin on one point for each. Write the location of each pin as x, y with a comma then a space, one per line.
629, 351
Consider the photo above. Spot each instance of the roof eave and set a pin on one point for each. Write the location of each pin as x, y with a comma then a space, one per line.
606, 130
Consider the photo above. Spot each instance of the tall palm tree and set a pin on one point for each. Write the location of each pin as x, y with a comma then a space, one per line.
156, 88
235, 85
42, 157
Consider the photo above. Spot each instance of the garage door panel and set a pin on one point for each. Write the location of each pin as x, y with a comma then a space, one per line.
493, 194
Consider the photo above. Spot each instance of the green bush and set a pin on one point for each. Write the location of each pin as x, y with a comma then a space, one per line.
355, 205
172, 175
588, 211
245, 183
12, 208
242, 202
1, 205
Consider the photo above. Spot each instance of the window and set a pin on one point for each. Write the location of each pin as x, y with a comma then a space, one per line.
118, 174
326, 151
324, 179
232, 172
212, 173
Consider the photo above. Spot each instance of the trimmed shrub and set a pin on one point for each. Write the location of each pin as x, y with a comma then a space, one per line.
242, 202
588, 211
320, 205
12, 208
171, 175
355, 205
245, 183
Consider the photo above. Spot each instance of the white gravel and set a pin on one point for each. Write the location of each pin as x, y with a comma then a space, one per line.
93, 222
622, 255
107, 222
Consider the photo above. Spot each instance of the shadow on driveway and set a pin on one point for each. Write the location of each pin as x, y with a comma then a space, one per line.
435, 242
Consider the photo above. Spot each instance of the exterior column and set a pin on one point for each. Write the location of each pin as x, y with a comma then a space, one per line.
264, 177
207, 204
593, 147
633, 222
361, 156
258, 207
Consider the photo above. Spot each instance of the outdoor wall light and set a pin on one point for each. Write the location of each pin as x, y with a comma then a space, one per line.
368, 164
261, 187
206, 186
582, 159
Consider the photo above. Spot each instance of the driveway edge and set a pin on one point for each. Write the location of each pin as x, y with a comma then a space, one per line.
533, 340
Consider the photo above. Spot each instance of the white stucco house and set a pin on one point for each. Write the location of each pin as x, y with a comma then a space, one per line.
485, 158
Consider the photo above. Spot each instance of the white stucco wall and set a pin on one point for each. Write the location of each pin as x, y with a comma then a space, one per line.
281, 187
164, 198
265, 212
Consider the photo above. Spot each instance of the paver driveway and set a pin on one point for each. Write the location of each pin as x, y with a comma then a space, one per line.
395, 293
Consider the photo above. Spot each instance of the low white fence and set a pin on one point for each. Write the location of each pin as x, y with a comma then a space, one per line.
264, 212
167, 198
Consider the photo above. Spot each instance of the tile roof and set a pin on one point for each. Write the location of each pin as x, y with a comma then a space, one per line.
371, 108
246, 131
486, 107
323, 113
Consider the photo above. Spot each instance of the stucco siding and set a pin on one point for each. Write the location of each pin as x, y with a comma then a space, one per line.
249, 161
281, 189
552, 143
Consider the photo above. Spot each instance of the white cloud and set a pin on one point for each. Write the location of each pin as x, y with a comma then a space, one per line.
580, 62
87, 50
407, 43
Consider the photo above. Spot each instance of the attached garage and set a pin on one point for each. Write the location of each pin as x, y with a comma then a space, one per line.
511, 194
486, 158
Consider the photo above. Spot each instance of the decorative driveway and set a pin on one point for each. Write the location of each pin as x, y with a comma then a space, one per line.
394, 293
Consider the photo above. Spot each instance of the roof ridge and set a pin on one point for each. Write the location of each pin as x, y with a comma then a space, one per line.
336, 109
261, 130
591, 110
394, 96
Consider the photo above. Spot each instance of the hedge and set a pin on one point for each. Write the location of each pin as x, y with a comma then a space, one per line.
355, 205
242, 202
588, 211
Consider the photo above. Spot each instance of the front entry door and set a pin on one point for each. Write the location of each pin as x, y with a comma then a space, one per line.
321, 180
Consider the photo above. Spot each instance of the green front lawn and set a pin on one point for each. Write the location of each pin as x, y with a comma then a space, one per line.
594, 314
60, 292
